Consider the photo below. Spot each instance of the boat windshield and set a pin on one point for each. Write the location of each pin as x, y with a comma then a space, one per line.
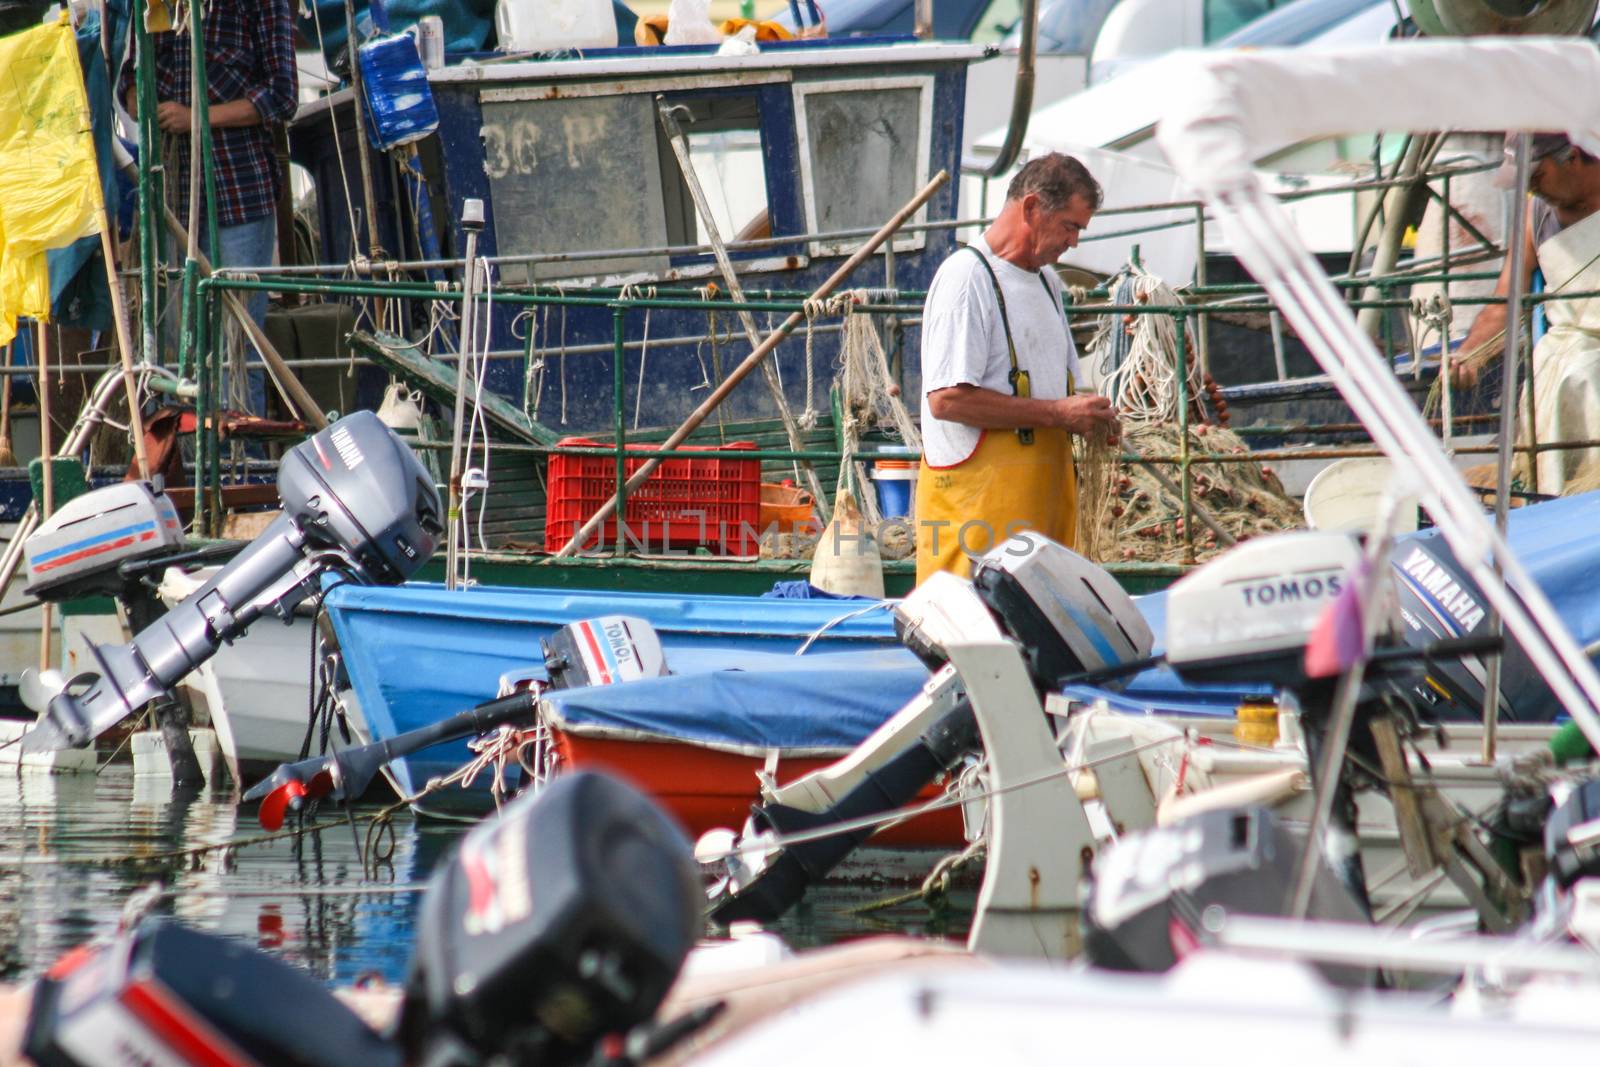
1296, 23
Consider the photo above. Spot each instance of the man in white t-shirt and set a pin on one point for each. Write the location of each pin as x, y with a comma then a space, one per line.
998, 365
1561, 239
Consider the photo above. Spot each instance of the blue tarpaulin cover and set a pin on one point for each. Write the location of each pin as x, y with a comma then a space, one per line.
801, 704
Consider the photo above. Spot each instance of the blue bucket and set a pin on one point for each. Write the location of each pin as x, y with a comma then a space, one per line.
895, 476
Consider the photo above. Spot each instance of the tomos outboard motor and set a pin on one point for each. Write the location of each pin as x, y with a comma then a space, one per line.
167, 994
562, 922
1071, 619
354, 499
1252, 616
1152, 888
603, 651
1248, 616
77, 550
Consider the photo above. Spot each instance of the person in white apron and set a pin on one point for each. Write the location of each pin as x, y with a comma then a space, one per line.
998, 405
1562, 238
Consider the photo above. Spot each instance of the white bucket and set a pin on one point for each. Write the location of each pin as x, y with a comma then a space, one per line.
552, 25
1348, 493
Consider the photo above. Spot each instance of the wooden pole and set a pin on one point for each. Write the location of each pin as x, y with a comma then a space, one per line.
119, 315
48, 502
8, 456
753, 360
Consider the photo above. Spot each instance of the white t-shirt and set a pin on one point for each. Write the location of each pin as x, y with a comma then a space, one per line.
964, 342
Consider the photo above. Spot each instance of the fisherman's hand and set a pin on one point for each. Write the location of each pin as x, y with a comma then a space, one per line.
1088, 414
1463, 372
172, 117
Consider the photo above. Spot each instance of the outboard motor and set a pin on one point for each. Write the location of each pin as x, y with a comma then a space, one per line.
1438, 602
603, 651
600, 651
1070, 617
355, 500
1249, 616
77, 551
1151, 889
562, 922
165, 993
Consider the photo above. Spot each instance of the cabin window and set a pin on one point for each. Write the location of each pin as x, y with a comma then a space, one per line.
864, 152
997, 20
1222, 17
723, 134
574, 175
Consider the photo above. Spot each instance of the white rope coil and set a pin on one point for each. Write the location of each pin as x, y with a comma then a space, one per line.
1143, 384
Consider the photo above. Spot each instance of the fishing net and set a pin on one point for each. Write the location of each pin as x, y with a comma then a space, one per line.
1125, 514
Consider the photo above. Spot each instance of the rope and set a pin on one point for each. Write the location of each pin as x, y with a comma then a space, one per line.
476, 351
868, 397
635, 292
338, 151
1142, 381
913, 811
811, 639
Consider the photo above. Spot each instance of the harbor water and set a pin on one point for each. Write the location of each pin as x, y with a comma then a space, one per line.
74, 848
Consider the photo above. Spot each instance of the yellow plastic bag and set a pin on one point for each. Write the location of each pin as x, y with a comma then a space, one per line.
49, 184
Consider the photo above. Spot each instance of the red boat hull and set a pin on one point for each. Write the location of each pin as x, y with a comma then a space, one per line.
705, 788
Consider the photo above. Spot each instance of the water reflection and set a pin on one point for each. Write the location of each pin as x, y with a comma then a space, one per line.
74, 848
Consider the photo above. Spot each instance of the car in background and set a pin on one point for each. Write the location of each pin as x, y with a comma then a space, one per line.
980, 21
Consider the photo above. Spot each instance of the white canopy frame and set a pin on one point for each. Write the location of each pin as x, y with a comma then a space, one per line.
1237, 107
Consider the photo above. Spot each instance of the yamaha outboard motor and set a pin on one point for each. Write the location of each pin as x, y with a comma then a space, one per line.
561, 922
1439, 602
354, 500
1070, 617
1151, 889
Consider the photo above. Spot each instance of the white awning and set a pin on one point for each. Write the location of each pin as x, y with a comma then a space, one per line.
1233, 108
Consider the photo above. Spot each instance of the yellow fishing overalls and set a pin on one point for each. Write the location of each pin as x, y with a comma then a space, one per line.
1014, 480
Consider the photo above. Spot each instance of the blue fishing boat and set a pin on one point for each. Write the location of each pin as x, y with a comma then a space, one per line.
417, 653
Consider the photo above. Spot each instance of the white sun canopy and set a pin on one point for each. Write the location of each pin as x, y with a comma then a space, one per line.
1236, 107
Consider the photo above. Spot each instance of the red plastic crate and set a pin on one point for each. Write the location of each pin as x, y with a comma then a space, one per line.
685, 503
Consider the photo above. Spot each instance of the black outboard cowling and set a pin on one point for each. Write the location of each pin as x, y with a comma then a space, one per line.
357, 488
1151, 889
1439, 602
561, 922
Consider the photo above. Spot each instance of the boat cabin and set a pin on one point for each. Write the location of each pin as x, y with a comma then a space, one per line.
802, 151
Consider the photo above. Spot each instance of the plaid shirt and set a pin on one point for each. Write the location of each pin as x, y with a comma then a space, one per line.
249, 56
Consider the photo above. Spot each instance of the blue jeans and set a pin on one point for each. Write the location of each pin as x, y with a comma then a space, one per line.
249, 244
